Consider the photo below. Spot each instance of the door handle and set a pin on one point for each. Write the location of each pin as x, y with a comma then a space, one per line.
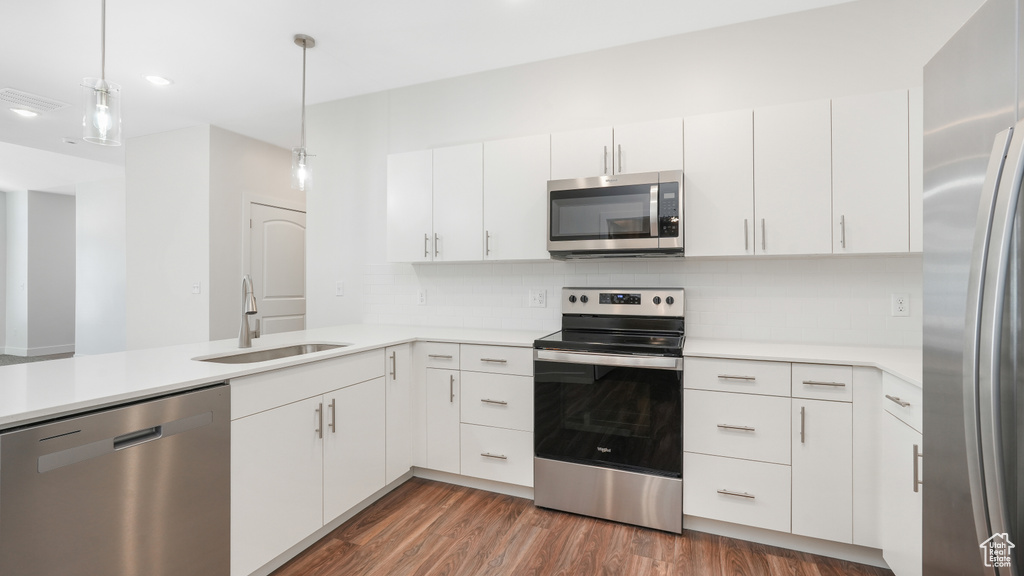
762, 235
334, 416
746, 235
426, 246
487, 243
394, 367
320, 420
451, 389
605, 159
620, 158
802, 422
437, 248
917, 469
842, 231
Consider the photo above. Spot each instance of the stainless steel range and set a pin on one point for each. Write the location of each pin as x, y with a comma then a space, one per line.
608, 407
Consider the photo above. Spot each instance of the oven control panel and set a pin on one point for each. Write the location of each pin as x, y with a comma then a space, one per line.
624, 301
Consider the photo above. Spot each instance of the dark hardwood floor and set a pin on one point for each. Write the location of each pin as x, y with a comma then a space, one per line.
426, 527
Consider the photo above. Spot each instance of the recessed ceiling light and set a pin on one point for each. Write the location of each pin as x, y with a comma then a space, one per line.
24, 113
158, 80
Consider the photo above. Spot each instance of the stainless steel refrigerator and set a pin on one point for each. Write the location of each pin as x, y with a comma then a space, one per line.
973, 295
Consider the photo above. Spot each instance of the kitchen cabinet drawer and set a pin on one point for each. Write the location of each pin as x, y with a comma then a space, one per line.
497, 454
902, 399
497, 359
823, 382
738, 491
727, 375
439, 354
259, 392
737, 425
498, 400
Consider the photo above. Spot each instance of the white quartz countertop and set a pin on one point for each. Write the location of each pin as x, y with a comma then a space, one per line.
40, 391
905, 363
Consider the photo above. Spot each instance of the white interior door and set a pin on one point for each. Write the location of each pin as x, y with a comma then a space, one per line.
277, 258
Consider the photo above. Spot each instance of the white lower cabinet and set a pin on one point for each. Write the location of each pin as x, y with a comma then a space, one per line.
901, 496
443, 420
823, 469
398, 393
497, 454
738, 491
354, 446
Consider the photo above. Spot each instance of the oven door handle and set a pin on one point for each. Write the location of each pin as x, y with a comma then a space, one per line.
626, 360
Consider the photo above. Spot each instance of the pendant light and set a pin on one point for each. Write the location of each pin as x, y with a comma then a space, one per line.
302, 173
102, 120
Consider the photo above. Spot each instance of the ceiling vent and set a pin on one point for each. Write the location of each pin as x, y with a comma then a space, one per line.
12, 97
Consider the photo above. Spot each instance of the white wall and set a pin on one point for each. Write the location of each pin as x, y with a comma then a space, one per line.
51, 273
100, 231
167, 189
241, 169
859, 47
17, 273
3, 272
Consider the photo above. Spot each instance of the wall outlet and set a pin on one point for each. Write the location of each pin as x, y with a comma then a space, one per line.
421, 296
538, 298
197, 287
901, 304
339, 288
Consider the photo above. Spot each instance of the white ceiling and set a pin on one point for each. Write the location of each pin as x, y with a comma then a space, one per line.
234, 64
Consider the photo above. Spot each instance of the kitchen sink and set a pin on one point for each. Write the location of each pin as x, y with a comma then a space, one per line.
269, 353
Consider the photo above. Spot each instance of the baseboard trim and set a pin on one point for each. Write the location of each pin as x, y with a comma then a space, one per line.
39, 350
849, 552
478, 483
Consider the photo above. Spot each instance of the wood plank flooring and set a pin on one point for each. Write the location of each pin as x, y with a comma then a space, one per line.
425, 527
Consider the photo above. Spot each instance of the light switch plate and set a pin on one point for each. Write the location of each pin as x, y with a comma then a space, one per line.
339, 288
197, 287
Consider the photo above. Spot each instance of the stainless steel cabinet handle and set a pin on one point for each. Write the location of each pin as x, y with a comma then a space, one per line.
740, 494
732, 377
746, 234
897, 400
605, 159
842, 231
334, 416
451, 389
733, 427
762, 233
426, 246
487, 243
917, 455
802, 422
442, 356
436, 247
495, 360
495, 456
620, 158
499, 402
820, 383
320, 420
394, 367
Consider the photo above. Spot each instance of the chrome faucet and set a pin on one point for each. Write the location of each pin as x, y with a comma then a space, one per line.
248, 308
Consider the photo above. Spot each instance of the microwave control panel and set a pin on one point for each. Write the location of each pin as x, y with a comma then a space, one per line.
669, 198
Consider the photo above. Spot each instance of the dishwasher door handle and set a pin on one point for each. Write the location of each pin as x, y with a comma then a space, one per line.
138, 437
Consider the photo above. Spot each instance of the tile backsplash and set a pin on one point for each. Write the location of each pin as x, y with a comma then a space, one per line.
825, 300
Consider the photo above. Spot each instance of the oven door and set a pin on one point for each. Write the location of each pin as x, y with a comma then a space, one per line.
614, 411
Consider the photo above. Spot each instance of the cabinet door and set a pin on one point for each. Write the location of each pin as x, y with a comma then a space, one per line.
649, 146
276, 483
901, 503
916, 123
516, 173
354, 446
399, 410
443, 400
870, 186
458, 203
581, 154
823, 469
719, 189
410, 216
793, 179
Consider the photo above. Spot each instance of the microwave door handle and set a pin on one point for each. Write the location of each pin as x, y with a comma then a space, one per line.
654, 211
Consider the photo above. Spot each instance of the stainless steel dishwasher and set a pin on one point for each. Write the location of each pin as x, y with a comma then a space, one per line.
140, 489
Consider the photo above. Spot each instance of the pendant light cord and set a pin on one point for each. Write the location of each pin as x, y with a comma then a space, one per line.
103, 39
303, 138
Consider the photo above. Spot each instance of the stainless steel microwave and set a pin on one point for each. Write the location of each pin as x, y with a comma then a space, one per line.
616, 216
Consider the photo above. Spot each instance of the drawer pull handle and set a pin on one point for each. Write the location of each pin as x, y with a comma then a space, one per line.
733, 377
896, 399
495, 360
441, 356
740, 494
733, 427
499, 402
819, 383
495, 456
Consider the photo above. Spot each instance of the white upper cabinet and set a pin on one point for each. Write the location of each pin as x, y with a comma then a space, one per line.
916, 123
719, 188
648, 146
516, 175
793, 178
458, 203
581, 153
410, 201
870, 166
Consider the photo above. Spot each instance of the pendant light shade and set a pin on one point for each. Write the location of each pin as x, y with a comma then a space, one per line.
302, 172
101, 121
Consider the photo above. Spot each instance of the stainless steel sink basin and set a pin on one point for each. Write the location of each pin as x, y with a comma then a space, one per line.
269, 353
